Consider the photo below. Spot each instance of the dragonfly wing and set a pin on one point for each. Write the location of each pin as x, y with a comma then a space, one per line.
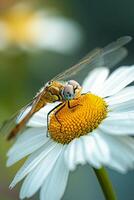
9, 125
18, 121
88, 59
107, 56
24, 116
114, 52
113, 58
117, 44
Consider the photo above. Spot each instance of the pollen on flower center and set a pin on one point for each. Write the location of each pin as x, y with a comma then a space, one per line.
77, 117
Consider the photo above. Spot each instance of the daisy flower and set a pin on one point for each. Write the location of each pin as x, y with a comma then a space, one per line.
96, 130
42, 29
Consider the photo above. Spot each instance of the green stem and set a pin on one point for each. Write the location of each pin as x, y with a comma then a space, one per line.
105, 184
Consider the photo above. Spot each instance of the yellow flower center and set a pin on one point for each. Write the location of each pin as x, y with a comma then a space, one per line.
77, 117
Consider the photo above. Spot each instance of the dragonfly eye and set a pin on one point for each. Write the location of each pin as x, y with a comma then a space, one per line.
68, 92
74, 83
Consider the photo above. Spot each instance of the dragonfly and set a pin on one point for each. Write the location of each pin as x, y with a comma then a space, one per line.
62, 88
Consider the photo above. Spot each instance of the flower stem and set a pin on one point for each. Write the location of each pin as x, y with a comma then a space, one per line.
105, 184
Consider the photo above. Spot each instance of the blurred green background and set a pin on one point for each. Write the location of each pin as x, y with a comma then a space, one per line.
39, 39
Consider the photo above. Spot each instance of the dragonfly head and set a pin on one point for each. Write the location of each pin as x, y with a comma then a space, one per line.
71, 90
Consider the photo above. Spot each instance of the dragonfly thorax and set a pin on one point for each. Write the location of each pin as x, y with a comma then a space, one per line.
52, 91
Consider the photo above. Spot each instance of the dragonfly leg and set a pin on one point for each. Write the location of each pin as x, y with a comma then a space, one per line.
55, 115
70, 107
86, 93
58, 112
62, 106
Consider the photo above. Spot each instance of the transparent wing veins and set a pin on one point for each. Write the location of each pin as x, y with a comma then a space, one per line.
115, 51
9, 124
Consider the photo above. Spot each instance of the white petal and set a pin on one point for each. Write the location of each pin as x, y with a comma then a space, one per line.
79, 152
39, 119
127, 106
29, 134
94, 81
33, 161
123, 101
121, 152
102, 147
23, 114
31, 140
54, 187
36, 178
91, 151
96, 150
129, 141
74, 154
70, 155
124, 95
119, 79
118, 123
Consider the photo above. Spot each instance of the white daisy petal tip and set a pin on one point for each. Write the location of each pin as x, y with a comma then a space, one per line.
95, 80
8, 163
118, 80
11, 186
